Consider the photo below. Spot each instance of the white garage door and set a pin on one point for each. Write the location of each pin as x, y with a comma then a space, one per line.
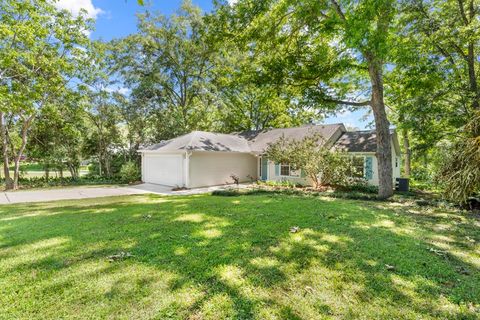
165, 169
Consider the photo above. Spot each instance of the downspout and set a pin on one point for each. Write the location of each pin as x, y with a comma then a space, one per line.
142, 161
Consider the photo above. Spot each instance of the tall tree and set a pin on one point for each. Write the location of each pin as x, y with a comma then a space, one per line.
166, 67
434, 83
103, 112
336, 51
245, 100
40, 51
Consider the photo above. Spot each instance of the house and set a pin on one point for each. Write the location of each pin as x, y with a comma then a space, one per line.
201, 159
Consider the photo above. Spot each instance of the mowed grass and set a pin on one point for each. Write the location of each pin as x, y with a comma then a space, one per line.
211, 257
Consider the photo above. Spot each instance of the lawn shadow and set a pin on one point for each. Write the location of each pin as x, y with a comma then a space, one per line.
347, 259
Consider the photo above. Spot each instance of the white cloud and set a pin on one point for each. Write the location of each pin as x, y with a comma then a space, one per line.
232, 2
74, 6
121, 90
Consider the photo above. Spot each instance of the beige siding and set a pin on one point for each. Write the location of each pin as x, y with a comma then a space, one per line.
215, 168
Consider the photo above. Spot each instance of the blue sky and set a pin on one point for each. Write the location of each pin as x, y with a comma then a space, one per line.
117, 18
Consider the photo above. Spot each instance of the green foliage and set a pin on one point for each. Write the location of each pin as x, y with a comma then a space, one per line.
42, 49
41, 182
281, 183
322, 165
460, 173
359, 187
331, 52
166, 66
130, 172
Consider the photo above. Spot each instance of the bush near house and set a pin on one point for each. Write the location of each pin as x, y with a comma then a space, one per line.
129, 172
322, 165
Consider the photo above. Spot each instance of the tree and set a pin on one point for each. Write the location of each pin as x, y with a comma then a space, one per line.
460, 172
40, 51
434, 84
322, 165
166, 67
57, 136
245, 101
334, 51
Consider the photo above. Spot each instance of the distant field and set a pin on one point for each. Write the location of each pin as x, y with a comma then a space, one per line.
31, 170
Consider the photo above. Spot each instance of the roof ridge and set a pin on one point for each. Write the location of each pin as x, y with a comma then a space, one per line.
298, 127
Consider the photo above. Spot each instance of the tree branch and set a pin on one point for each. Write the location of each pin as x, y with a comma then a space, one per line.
350, 103
338, 10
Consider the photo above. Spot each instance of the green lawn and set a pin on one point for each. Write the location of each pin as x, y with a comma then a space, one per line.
36, 170
212, 257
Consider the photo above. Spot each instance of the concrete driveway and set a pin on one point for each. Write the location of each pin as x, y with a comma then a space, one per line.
95, 192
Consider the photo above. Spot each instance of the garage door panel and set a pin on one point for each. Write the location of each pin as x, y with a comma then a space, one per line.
164, 169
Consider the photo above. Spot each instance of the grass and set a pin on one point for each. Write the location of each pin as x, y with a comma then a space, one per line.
35, 170
213, 257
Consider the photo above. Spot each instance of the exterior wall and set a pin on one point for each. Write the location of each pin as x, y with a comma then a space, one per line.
271, 176
396, 165
215, 168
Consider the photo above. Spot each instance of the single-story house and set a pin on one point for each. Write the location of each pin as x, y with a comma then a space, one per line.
200, 159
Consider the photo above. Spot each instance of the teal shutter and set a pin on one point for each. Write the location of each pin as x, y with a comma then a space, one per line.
277, 169
264, 168
302, 173
368, 168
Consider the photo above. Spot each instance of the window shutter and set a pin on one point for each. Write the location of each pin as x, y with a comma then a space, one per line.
368, 168
303, 174
277, 169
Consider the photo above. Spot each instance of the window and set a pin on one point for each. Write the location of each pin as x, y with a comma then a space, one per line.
396, 162
358, 167
287, 171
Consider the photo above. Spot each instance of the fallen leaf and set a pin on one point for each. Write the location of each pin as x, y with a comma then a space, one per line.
389, 267
294, 229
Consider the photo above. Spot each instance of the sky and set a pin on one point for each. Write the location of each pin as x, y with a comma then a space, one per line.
117, 18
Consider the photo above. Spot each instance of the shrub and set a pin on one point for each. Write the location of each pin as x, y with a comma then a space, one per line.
460, 172
42, 182
129, 172
362, 188
322, 165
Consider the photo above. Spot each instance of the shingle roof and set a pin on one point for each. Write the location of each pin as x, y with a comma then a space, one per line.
358, 141
259, 140
202, 141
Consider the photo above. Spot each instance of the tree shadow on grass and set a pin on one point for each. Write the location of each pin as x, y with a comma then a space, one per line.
196, 251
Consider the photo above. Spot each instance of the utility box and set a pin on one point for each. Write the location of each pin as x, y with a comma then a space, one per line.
402, 184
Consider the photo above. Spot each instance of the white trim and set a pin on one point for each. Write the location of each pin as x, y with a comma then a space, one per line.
143, 167
289, 171
186, 166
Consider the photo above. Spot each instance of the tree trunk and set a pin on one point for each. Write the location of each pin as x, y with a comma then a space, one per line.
384, 148
16, 173
47, 172
26, 125
6, 160
406, 147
